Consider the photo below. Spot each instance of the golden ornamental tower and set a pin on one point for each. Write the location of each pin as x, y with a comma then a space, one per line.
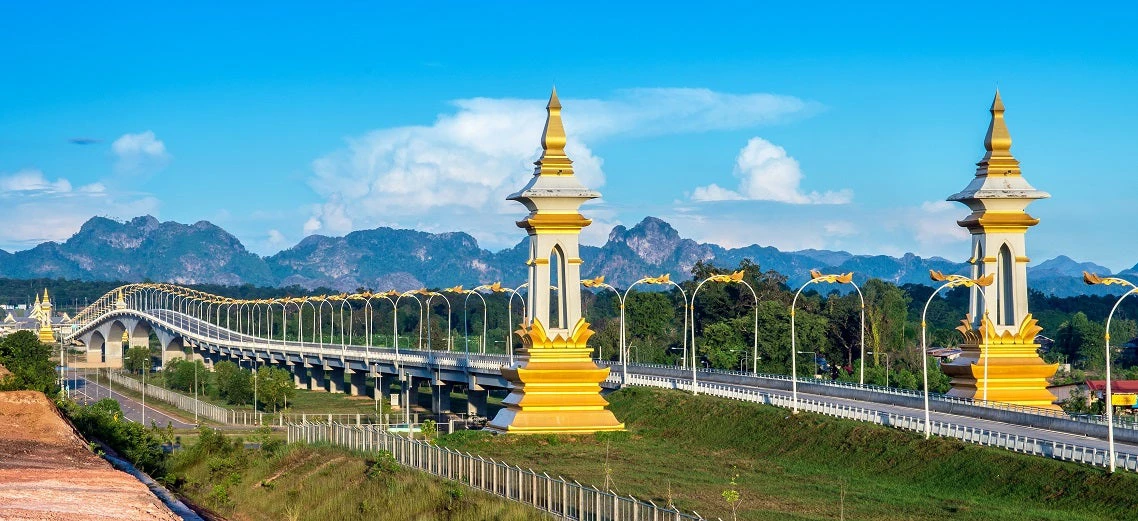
1000, 360
45, 333
555, 384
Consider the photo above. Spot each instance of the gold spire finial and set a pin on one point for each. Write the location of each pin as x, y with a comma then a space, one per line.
998, 159
45, 295
998, 138
553, 159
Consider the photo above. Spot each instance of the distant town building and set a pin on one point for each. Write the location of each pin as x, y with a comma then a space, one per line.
38, 318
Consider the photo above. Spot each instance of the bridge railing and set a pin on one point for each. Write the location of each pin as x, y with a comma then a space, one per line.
227, 416
1119, 422
1024, 444
186, 403
565, 499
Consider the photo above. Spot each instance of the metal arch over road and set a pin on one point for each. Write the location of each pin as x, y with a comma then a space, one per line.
176, 315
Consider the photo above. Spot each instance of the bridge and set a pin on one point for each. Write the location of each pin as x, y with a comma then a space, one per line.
186, 320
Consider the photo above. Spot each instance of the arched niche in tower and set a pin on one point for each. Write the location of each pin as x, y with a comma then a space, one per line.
978, 270
557, 287
1005, 293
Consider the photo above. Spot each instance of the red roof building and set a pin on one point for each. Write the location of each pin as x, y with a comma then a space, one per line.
1116, 386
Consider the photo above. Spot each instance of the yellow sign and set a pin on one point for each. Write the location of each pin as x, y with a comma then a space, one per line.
1124, 399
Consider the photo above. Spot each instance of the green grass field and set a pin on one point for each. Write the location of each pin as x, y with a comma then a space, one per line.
684, 449
324, 483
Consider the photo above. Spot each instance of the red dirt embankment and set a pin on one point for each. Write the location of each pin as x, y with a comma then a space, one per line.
47, 472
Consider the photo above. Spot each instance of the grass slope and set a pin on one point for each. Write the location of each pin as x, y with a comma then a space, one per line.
300, 482
796, 467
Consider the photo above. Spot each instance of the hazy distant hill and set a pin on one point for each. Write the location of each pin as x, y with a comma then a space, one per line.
383, 258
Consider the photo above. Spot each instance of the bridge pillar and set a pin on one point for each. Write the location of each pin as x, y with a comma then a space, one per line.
316, 378
357, 383
113, 349
394, 398
440, 397
476, 402
173, 349
334, 377
412, 390
299, 376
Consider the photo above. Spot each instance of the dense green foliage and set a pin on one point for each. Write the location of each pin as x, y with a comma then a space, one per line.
29, 362
180, 374
137, 360
103, 420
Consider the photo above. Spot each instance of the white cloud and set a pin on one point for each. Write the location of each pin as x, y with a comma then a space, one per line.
767, 173
934, 224
32, 181
276, 238
140, 152
43, 210
455, 173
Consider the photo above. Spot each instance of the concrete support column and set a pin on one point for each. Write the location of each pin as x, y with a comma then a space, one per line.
299, 376
440, 397
476, 402
357, 383
335, 379
316, 378
173, 349
394, 397
114, 352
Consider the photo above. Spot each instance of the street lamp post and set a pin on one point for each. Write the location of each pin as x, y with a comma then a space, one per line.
815, 278
951, 281
887, 372
466, 316
732, 278
599, 282
815, 355
1092, 279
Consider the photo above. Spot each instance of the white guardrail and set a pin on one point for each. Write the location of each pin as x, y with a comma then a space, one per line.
1012, 442
226, 416
563, 498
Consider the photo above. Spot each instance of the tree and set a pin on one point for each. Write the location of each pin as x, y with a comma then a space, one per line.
275, 387
1081, 339
652, 325
722, 345
179, 374
29, 361
233, 383
137, 359
886, 310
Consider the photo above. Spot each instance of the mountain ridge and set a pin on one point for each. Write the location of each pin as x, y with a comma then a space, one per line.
144, 248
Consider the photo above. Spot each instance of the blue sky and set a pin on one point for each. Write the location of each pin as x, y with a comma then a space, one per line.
826, 126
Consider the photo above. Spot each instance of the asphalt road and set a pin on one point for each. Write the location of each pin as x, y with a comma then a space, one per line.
87, 390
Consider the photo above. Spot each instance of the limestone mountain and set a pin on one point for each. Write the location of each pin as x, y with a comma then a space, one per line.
388, 258
143, 248
383, 258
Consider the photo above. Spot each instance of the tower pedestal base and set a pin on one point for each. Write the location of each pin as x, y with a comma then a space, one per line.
556, 386
1015, 372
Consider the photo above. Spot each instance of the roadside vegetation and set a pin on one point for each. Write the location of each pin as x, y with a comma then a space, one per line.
28, 363
295, 482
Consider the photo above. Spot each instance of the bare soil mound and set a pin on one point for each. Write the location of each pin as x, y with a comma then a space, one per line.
47, 472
